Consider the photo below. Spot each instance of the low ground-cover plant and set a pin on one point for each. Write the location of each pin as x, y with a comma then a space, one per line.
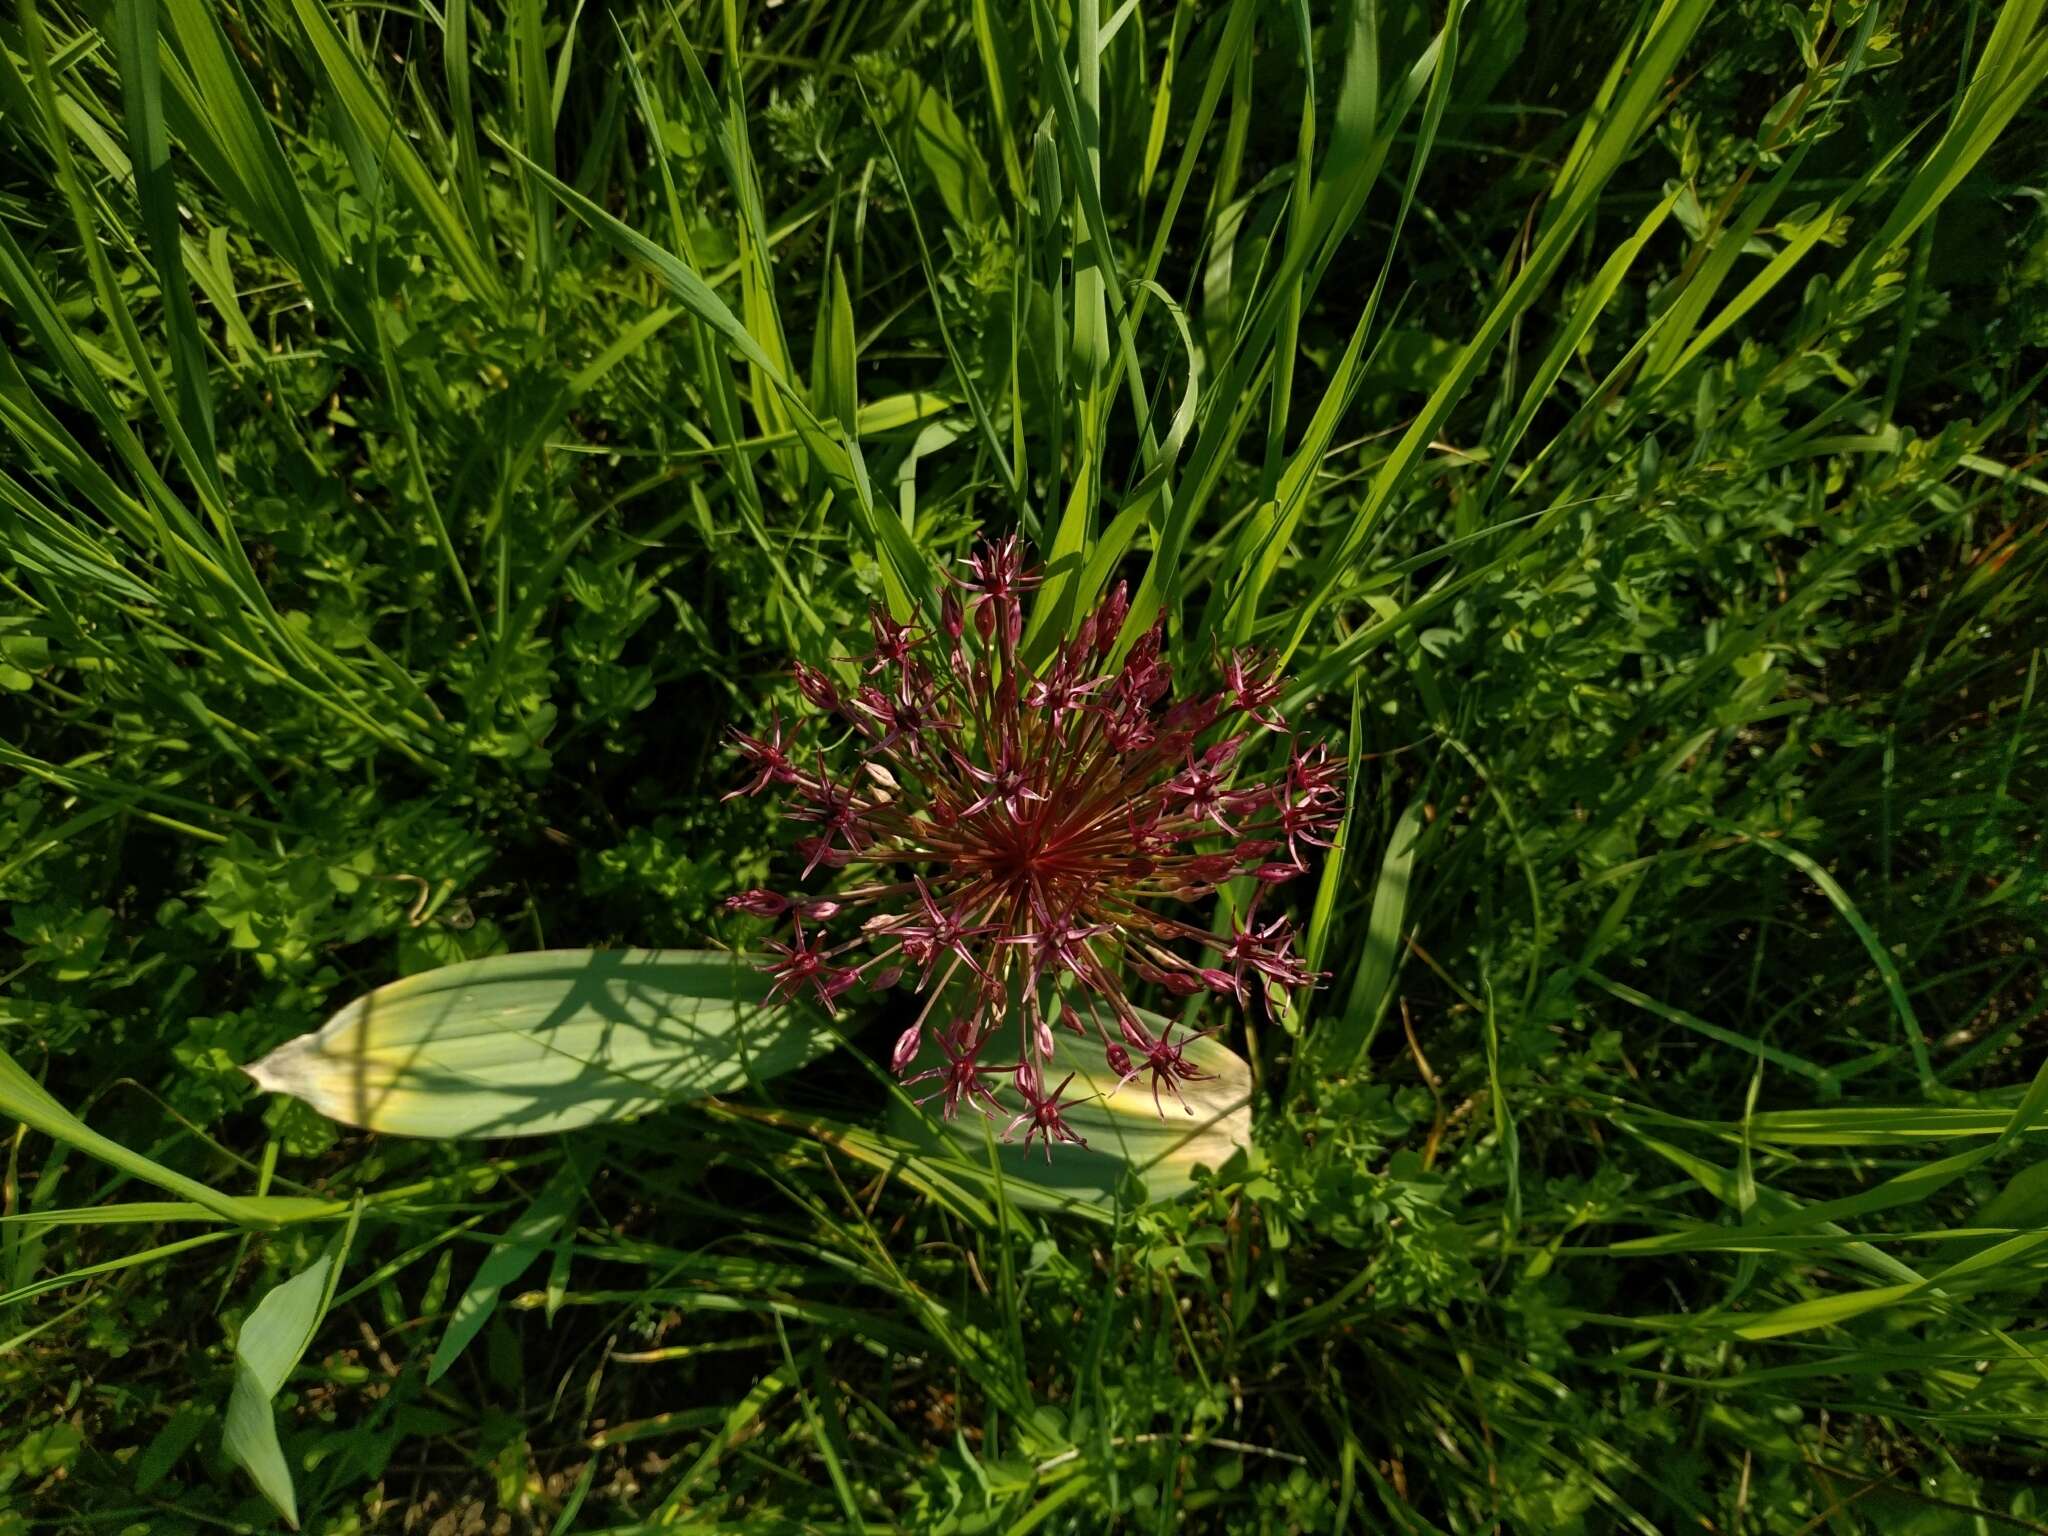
428, 431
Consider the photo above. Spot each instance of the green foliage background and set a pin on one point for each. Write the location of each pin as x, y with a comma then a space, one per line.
423, 429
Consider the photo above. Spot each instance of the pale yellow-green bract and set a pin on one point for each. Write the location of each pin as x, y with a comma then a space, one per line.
524, 1045
1127, 1134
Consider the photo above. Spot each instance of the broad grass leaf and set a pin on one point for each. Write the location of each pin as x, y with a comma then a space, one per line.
526, 1045
270, 1343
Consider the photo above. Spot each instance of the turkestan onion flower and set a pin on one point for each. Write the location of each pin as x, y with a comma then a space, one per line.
1006, 833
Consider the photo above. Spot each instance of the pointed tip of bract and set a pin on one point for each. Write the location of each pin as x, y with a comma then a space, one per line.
275, 1072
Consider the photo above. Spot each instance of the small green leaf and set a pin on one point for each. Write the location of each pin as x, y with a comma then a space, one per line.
929, 126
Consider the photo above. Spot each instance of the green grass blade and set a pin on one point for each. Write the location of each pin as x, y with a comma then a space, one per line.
23, 1098
840, 460
370, 111
510, 1257
537, 122
1880, 957
135, 43
1345, 1039
1798, 1065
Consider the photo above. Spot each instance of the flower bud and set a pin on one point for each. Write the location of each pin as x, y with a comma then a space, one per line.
1041, 1040
1109, 618
1222, 753
1209, 868
816, 688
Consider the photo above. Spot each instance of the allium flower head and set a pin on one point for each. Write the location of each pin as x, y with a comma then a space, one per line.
1008, 832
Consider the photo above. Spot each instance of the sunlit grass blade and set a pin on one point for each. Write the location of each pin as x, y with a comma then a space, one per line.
1607, 137
508, 1259
841, 460
1345, 1037
135, 41
22, 1098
